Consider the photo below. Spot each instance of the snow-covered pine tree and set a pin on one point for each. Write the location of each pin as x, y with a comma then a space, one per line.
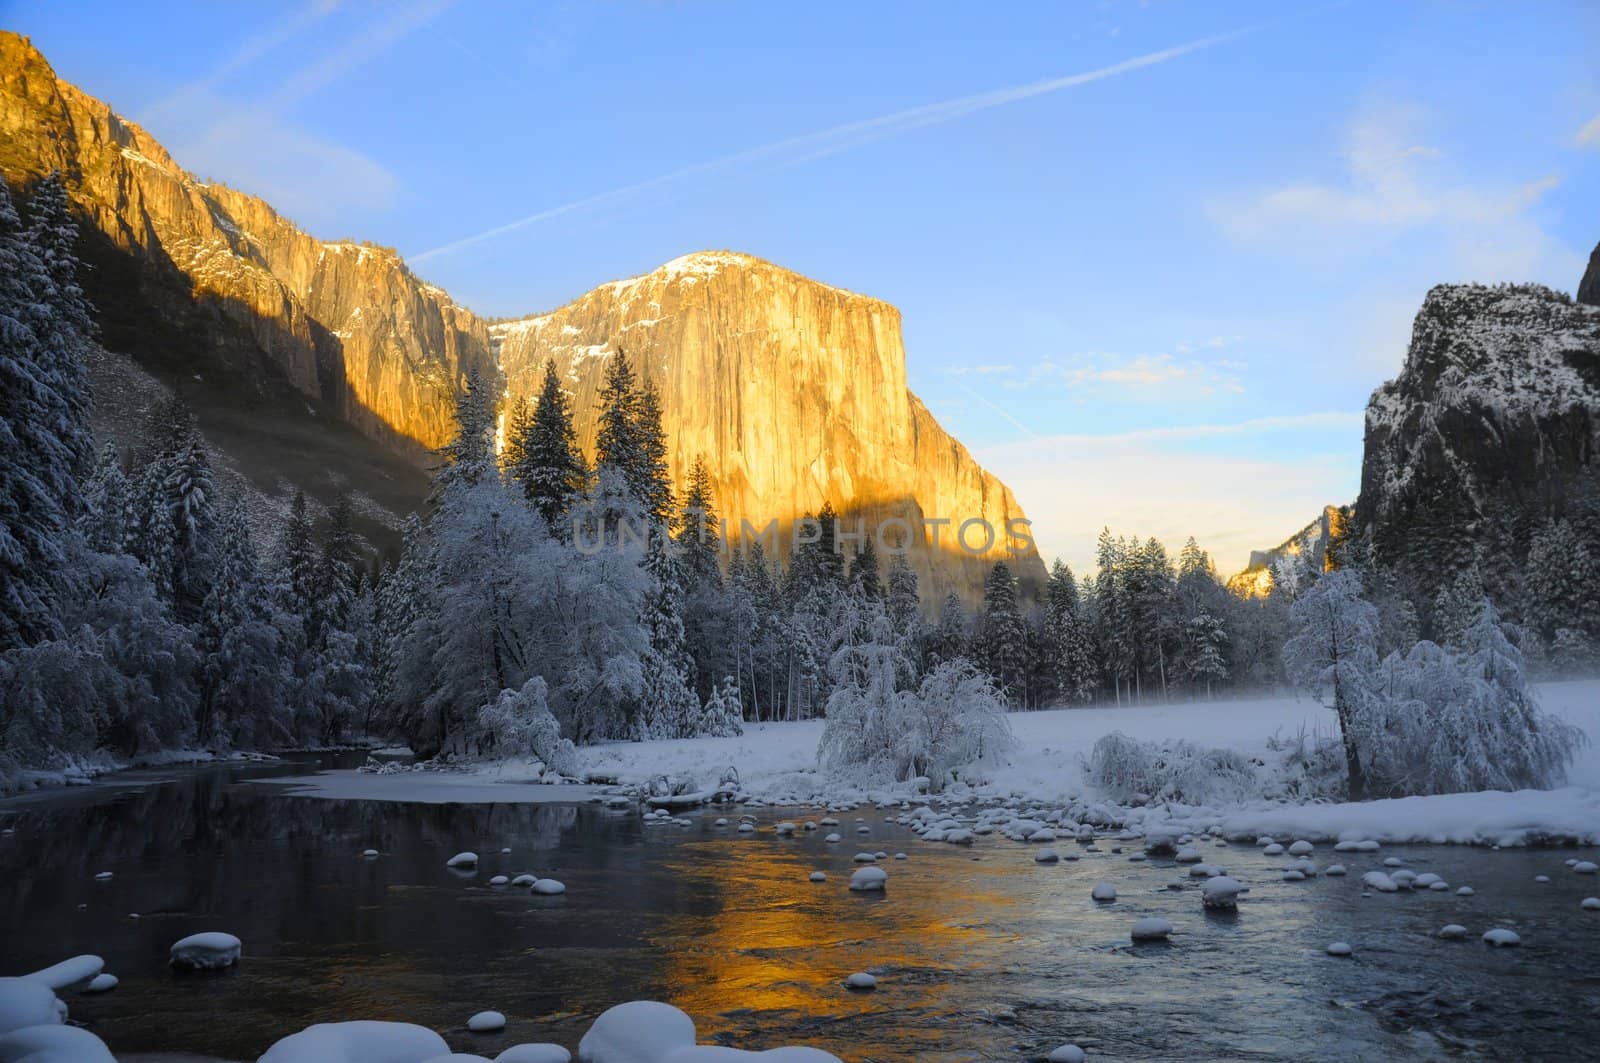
1066, 638
653, 476
189, 491
1203, 652
668, 707
110, 518
617, 432
864, 577
543, 455
62, 317
42, 444
949, 637
1561, 578
1456, 605
1002, 636
712, 638
469, 457
242, 668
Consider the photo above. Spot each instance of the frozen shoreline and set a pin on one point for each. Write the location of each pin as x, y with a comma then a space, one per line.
777, 765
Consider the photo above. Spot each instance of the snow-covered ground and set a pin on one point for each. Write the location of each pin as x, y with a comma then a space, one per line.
777, 763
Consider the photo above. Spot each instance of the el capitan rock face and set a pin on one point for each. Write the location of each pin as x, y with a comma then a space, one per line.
1491, 428
330, 366
794, 393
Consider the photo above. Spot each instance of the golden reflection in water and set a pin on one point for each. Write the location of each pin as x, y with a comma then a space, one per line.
782, 944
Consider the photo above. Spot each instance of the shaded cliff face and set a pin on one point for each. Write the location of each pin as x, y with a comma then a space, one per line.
344, 325
1492, 427
1589, 287
792, 391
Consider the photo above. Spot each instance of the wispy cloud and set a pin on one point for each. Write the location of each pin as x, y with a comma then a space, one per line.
256, 144
1394, 184
1589, 135
979, 370
1152, 372
250, 52
834, 139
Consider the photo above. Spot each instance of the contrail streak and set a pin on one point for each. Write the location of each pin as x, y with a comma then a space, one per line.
853, 134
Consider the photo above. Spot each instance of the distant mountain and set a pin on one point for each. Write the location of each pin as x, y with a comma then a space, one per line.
1491, 428
330, 366
1256, 579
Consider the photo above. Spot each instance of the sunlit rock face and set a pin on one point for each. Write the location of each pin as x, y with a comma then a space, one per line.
1491, 427
344, 324
794, 393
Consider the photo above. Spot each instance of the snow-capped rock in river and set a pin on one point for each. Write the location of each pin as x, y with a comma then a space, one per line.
361, 1041
207, 951
53, 1044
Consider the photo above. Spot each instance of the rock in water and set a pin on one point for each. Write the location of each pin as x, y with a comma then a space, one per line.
1340, 948
1502, 938
357, 1042
861, 980
868, 879
53, 1044
1104, 891
534, 1053
209, 951
1067, 1054
1151, 929
640, 1031
1221, 893
486, 1022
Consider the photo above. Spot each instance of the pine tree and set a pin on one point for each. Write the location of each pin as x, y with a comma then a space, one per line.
110, 519
617, 435
1066, 638
904, 603
468, 458
188, 490
654, 488
1003, 637
543, 454
698, 530
1456, 605
1203, 652
864, 577
241, 665
949, 638
41, 449
1561, 581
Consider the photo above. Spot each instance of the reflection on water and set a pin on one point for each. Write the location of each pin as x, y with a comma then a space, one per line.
982, 954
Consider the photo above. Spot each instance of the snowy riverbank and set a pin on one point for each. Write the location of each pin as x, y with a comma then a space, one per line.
777, 764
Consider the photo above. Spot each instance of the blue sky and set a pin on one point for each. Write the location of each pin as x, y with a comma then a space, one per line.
1152, 257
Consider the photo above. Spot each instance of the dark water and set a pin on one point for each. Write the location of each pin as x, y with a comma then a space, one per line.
981, 953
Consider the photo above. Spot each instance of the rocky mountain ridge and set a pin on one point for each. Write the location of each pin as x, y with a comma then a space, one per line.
329, 366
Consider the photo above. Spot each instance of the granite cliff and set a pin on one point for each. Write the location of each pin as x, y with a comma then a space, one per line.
330, 366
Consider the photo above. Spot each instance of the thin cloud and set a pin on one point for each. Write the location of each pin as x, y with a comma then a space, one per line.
839, 138
243, 57
1589, 135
